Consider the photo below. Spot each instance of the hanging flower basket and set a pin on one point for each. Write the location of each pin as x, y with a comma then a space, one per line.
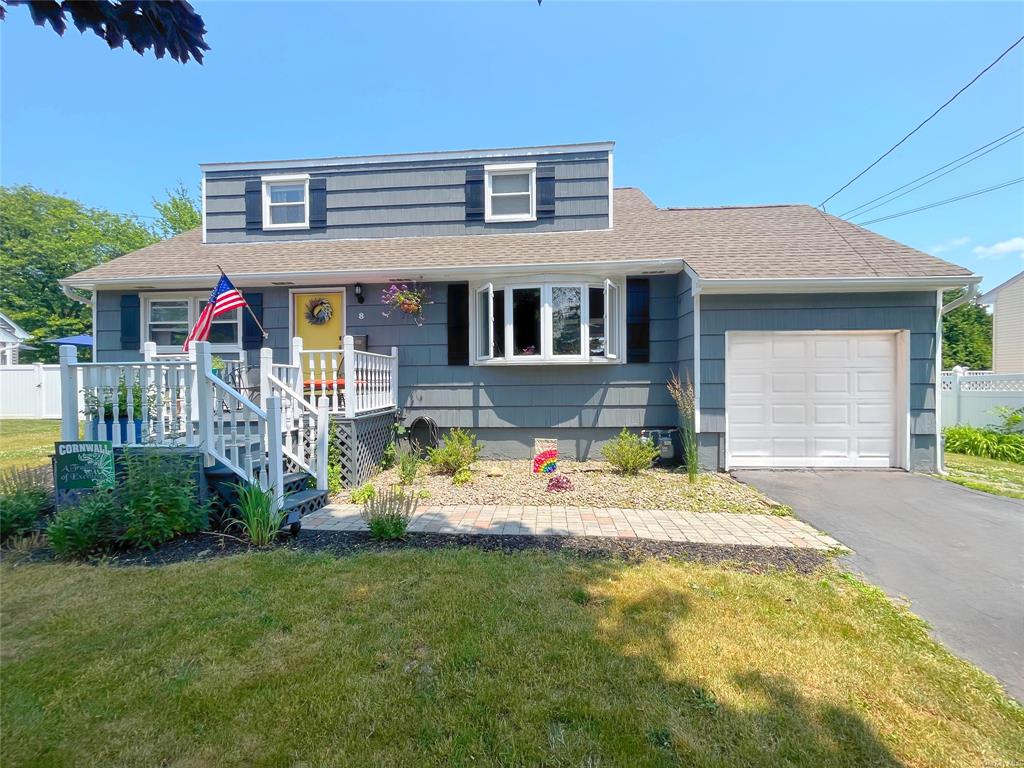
409, 300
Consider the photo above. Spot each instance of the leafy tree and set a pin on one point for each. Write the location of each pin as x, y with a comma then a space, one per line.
966, 335
178, 213
167, 26
43, 238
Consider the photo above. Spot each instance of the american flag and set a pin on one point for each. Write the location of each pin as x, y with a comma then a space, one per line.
224, 298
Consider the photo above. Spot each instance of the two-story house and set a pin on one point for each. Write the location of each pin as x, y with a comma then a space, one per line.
559, 304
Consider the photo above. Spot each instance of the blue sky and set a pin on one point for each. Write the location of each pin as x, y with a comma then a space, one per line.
710, 104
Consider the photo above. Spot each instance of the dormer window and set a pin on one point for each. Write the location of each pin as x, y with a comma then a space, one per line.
510, 192
286, 202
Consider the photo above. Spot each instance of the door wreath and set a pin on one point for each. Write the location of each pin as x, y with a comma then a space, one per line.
319, 311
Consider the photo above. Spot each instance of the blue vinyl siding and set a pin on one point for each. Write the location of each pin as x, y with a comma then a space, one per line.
415, 198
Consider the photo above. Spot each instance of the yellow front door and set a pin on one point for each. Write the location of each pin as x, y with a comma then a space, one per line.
319, 319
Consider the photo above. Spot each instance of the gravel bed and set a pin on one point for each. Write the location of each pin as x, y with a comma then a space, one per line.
594, 483
201, 547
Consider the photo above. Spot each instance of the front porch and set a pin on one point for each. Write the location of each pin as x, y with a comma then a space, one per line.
270, 424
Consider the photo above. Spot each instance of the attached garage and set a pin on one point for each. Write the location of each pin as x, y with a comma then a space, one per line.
815, 399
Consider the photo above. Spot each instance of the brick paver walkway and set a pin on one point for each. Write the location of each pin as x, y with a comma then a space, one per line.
658, 524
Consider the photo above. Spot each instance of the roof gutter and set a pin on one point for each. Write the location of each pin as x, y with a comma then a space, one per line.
835, 284
382, 274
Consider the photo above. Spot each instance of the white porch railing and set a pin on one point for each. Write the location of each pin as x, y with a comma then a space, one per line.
354, 382
304, 427
972, 397
179, 401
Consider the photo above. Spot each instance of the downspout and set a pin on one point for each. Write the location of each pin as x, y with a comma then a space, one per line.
941, 310
89, 301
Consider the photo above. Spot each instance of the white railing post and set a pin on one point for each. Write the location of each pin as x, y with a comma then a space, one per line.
149, 351
266, 368
958, 373
323, 427
297, 351
69, 393
275, 454
394, 376
204, 399
349, 362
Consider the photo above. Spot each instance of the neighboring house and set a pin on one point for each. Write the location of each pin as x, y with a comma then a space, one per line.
12, 339
1007, 302
561, 305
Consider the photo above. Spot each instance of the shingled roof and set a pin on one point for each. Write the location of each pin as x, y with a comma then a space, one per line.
773, 241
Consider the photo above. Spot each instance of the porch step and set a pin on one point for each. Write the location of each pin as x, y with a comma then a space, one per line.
303, 503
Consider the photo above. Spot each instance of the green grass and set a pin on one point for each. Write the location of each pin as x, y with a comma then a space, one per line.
27, 442
1002, 478
465, 658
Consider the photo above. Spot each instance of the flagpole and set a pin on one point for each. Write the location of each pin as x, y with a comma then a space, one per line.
254, 318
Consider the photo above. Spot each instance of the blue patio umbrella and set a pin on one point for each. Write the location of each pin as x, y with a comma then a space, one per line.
81, 340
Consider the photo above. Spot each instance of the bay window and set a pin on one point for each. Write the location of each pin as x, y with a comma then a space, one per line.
561, 321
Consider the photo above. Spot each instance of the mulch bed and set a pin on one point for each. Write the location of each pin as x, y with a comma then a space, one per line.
201, 547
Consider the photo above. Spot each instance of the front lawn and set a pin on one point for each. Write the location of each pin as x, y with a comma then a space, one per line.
594, 484
466, 658
27, 442
1003, 478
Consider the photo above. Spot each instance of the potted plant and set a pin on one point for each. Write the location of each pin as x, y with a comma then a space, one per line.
406, 299
99, 405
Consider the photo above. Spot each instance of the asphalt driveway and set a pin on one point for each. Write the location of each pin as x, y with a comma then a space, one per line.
956, 554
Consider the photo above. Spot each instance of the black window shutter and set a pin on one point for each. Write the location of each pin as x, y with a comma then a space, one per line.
252, 336
475, 194
545, 191
638, 320
458, 324
318, 203
253, 205
131, 321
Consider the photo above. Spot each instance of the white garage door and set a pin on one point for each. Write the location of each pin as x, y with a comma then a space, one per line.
811, 399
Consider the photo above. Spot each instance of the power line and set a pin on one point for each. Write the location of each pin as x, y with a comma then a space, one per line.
1014, 134
923, 122
977, 192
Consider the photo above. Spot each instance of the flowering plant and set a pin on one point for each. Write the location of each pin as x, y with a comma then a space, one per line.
409, 300
559, 483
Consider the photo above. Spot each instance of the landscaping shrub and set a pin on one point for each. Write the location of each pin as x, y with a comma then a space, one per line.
463, 476
686, 403
159, 498
1012, 419
628, 453
387, 514
257, 518
24, 496
985, 443
362, 494
91, 527
390, 455
155, 501
559, 483
408, 467
458, 451
334, 484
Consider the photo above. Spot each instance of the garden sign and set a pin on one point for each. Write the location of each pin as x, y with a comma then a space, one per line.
82, 465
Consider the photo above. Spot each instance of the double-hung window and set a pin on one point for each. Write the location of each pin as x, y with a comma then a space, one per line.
549, 322
168, 318
510, 192
286, 202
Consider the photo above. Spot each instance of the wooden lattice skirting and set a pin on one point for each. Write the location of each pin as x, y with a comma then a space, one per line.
359, 444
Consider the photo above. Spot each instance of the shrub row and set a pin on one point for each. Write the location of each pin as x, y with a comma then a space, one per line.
985, 443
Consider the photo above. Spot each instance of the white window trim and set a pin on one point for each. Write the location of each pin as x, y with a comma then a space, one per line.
294, 178
194, 300
509, 169
546, 357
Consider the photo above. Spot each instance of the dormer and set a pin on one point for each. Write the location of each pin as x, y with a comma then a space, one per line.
475, 192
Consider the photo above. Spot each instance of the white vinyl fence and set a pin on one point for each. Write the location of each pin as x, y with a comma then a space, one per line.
972, 397
30, 391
